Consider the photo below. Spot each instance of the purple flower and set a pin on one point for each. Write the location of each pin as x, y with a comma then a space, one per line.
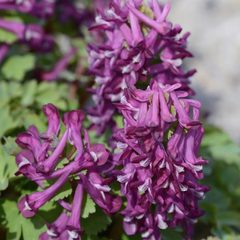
98, 189
3, 51
43, 9
160, 164
127, 55
73, 121
30, 204
31, 142
53, 119
48, 164
31, 35
24, 161
56, 228
60, 66
73, 227
19, 5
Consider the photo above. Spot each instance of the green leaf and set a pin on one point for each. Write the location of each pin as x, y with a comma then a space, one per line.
29, 90
96, 223
7, 169
173, 111
92, 237
67, 75
228, 218
119, 120
228, 237
10, 218
14, 227
3, 184
51, 96
212, 238
60, 163
6, 121
229, 153
33, 227
133, 237
64, 191
11, 146
50, 211
214, 138
88, 206
170, 234
146, 11
4, 92
7, 36
103, 139
13, 221
80, 44
21, 65
34, 119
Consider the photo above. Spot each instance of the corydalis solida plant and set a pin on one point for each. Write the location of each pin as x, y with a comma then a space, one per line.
157, 164
138, 47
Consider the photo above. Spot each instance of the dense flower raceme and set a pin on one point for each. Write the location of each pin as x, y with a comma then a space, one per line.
158, 149
159, 146
38, 161
140, 44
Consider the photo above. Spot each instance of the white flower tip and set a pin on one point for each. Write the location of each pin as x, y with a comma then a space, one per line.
94, 156
73, 234
51, 233
27, 206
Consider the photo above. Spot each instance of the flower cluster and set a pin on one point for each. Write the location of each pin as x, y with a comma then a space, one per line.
159, 146
140, 44
38, 161
156, 161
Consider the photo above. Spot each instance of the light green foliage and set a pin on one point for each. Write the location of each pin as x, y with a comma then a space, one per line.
11, 218
7, 169
60, 163
7, 122
173, 111
52, 93
21, 65
21, 104
119, 120
88, 206
11, 146
29, 90
7, 37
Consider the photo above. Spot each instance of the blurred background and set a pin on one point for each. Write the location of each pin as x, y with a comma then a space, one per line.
215, 42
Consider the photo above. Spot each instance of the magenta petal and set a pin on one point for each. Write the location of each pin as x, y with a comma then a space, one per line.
29, 205
60, 66
52, 115
49, 163
32, 143
130, 227
73, 120
162, 28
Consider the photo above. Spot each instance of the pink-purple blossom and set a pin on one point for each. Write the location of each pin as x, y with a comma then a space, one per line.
132, 53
